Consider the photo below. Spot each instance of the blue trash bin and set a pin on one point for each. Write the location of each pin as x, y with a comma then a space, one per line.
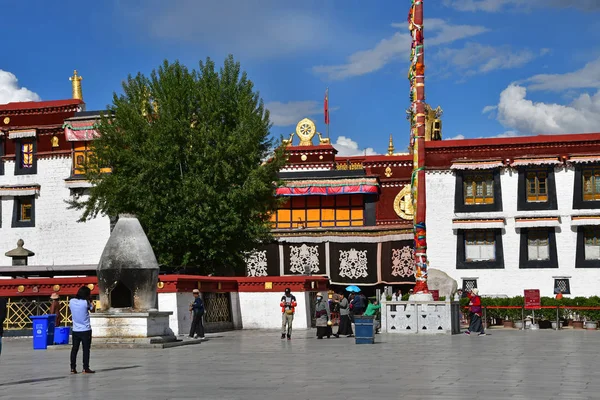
43, 331
364, 329
61, 334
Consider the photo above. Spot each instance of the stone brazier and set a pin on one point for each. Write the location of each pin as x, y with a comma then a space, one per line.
127, 278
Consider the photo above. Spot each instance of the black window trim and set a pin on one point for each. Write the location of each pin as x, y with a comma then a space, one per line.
459, 194
461, 262
578, 202
580, 261
16, 223
523, 204
525, 263
19, 157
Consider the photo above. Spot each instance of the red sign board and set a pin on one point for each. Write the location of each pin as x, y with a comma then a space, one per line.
435, 294
532, 299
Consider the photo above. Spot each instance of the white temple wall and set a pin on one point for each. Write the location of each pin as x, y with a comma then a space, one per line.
511, 280
57, 238
261, 310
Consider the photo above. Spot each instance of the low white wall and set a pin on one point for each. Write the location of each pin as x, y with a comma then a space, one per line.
178, 304
262, 311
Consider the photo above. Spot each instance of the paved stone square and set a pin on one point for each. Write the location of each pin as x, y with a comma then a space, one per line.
259, 365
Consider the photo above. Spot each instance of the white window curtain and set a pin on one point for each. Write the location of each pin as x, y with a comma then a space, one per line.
480, 250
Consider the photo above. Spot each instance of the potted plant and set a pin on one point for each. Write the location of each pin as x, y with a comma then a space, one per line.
578, 314
591, 316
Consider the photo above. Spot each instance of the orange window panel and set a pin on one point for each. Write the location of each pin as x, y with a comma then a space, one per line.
342, 214
357, 214
313, 224
284, 215
273, 218
357, 222
314, 215
327, 223
327, 214
298, 215
342, 223
284, 225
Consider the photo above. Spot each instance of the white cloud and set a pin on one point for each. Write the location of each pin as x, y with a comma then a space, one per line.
586, 77
520, 5
11, 91
476, 58
457, 137
524, 116
348, 147
392, 48
286, 114
259, 28
488, 109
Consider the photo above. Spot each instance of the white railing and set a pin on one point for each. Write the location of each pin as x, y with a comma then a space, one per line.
425, 317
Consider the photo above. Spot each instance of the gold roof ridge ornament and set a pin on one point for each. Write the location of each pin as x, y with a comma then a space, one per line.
306, 130
403, 204
76, 85
390, 147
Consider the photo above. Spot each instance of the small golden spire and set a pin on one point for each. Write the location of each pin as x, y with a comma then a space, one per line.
391, 147
76, 83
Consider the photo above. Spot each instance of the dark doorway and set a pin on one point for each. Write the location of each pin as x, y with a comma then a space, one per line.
121, 297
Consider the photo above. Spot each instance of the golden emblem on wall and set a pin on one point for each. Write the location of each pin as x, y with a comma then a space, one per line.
160, 285
55, 141
306, 130
91, 286
388, 172
6, 120
403, 204
56, 288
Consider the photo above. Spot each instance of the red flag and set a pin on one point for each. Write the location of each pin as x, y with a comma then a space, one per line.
326, 106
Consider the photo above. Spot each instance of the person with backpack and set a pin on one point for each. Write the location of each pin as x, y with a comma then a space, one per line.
288, 308
197, 310
475, 324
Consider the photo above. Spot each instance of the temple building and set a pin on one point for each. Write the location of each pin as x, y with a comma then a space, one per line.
38, 172
508, 214
347, 218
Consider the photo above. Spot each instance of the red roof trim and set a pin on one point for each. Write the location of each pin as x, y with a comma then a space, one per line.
515, 140
37, 105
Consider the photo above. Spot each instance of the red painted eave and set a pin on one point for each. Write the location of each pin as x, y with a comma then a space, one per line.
37, 105
515, 140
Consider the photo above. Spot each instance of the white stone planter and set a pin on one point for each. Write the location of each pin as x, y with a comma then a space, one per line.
591, 325
519, 324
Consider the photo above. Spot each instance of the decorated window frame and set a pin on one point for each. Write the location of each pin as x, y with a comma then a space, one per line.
461, 254
590, 198
534, 235
26, 156
583, 236
321, 212
23, 212
563, 284
530, 193
462, 201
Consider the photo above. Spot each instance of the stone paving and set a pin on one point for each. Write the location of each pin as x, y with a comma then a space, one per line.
253, 365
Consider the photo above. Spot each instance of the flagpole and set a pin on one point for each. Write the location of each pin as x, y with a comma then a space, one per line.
328, 119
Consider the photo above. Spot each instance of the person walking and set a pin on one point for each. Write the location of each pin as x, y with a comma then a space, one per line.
358, 305
345, 326
55, 308
80, 307
323, 317
2, 318
197, 310
288, 308
475, 325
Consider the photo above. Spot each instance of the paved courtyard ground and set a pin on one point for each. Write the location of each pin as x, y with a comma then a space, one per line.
253, 365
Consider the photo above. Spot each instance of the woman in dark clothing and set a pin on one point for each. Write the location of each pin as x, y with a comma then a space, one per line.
345, 326
323, 317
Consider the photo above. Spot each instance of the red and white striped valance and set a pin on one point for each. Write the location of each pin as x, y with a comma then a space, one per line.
585, 220
20, 190
521, 162
496, 223
25, 133
540, 222
593, 158
474, 164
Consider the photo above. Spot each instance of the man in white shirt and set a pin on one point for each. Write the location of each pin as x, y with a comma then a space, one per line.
80, 307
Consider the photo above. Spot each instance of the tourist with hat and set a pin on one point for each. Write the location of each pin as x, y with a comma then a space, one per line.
55, 308
475, 324
323, 317
197, 311
288, 308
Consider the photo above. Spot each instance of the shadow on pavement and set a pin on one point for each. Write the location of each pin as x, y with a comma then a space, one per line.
53, 378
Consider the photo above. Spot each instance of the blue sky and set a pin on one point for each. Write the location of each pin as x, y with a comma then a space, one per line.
497, 67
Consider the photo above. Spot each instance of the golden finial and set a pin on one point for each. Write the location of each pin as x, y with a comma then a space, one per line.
391, 147
76, 82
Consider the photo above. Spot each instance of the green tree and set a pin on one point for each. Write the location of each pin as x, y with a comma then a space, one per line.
187, 151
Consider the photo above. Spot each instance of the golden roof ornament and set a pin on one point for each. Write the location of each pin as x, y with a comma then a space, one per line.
76, 84
391, 147
306, 130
